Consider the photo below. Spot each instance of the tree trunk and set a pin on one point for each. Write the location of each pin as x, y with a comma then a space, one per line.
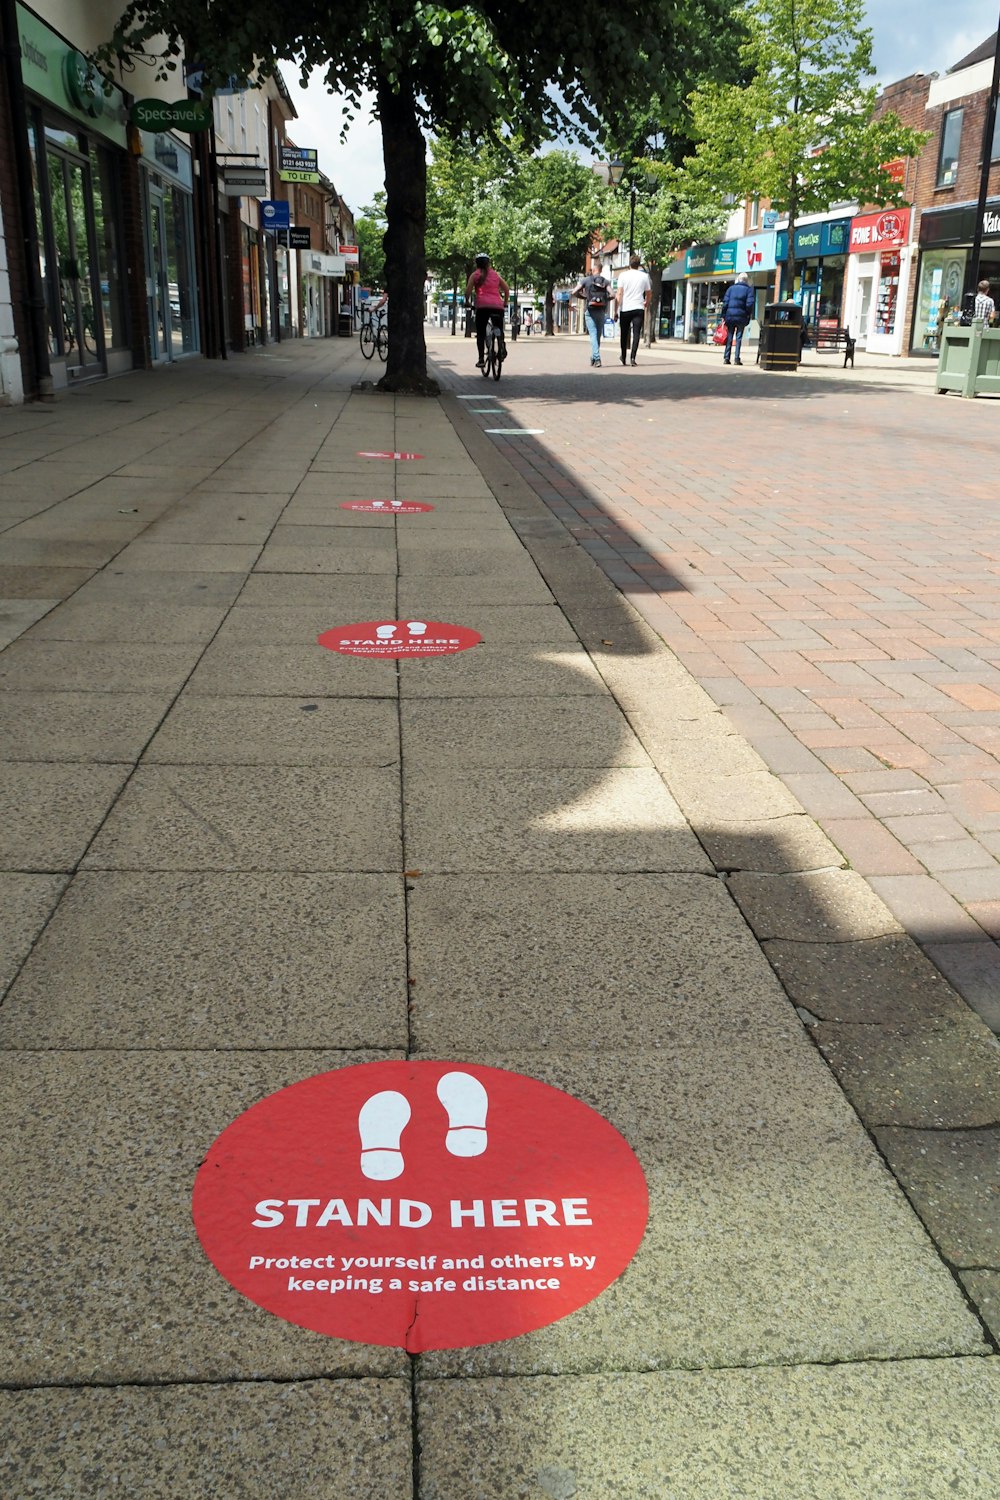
550, 322
404, 153
454, 307
655, 297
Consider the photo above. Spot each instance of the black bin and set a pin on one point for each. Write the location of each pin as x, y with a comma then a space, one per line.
781, 336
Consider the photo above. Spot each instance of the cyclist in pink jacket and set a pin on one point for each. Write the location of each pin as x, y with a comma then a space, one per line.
490, 292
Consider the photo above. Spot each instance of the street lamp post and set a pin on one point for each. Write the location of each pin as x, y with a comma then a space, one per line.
616, 170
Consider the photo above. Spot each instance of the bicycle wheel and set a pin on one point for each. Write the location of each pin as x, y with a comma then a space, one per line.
499, 355
367, 340
382, 342
487, 353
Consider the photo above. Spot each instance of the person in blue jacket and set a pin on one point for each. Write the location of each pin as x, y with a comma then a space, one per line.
737, 310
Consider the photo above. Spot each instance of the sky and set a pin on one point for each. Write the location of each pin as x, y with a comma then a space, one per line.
919, 36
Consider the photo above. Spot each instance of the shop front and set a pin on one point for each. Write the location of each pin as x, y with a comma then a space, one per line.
946, 236
877, 280
708, 270
168, 226
77, 141
671, 324
757, 256
820, 270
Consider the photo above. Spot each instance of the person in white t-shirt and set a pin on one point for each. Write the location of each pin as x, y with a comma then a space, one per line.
632, 299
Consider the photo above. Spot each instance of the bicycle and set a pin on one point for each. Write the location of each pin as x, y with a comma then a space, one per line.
374, 335
494, 350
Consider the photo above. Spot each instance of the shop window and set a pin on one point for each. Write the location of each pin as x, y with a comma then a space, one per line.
109, 259
951, 140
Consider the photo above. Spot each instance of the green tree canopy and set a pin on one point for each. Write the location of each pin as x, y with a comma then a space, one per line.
370, 233
801, 132
473, 70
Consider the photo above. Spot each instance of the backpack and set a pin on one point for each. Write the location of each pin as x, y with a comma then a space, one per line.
598, 292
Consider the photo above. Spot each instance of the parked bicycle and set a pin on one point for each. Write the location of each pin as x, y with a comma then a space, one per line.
374, 334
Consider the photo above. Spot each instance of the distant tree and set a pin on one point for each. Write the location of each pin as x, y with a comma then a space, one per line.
469, 70
370, 233
560, 189
800, 132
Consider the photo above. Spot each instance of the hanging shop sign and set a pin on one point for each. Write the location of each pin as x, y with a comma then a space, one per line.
66, 78
351, 254
299, 237
185, 114
244, 182
880, 231
298, 165
420, 1205
393, 640
275, 213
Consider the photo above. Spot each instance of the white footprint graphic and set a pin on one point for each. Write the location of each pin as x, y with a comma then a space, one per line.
416, 627
385, 632
466, 1102
381, 1122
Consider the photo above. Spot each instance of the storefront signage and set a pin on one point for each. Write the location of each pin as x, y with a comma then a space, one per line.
185, 114
711, 260
387, 507
813, 240
350, 253
165, 154
420, 1205
392, 640
319, 264
299, 237
275, 213
879, 231
64, 77
298, 165
756, 252
698, 260
239, 182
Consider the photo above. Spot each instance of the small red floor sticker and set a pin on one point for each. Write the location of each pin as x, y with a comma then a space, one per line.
420, 1205
386, 507
366, 454
393, 639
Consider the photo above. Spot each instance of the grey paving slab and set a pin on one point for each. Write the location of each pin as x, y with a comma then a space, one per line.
920, 1431
110, 667
264, 818
445, 597
621, 819
194, 589
877, 980
345, 538
285, 731
18, 615
324, 1438
27, 902
775, 1236
281, 558
562, 960
530, 732
78, 726
747, 796
155, 621
953, 1180
209, 960
40, 583
49, 813
984, 1289
200, 530
939, 1073
775, 846
58, 526
818, 905
466, 562
277, 669
456, 540
104, 1147
494, 670
55, 554
351, 597
194, 557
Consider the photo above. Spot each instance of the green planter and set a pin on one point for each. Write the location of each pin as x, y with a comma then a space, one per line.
969, 361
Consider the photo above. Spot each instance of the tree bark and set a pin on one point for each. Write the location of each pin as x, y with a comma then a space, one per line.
404, 153
550, 323
653, 320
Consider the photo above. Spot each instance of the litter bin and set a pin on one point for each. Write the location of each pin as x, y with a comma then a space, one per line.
781, 336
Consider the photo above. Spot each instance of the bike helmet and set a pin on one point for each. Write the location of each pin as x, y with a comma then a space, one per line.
482, 261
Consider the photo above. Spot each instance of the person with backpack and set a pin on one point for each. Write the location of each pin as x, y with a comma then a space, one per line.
595, 290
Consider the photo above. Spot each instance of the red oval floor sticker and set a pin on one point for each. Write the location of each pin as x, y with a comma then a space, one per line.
393, 639
421, 1205
366, 454
386, 507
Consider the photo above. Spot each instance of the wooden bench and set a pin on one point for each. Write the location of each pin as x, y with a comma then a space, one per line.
824, 340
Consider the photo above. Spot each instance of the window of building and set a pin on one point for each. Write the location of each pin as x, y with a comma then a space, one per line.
951, 140
995, 149
755, 213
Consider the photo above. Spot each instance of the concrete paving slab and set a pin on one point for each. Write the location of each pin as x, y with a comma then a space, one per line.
271, 732
193, 589
345, 596
182, 557
492, 669
879, 980
466, 562
279, 558
445, 598
919, 1431
749, 796
207, 960
209, 530
78, 726
530, 732
939, 1073
984, 1289
61, 666
776, 1235
621, 819
266, 818
619, 960
774, 846
279, 669
815, 906
41, 583
953, 1180
55, 554
369, 539
457, 539
104, 1147
27, 902
49, 813
163, 622
324, 1438
18, 615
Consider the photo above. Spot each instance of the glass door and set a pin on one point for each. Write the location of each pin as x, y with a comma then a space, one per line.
158, 281
864, 306
78, 331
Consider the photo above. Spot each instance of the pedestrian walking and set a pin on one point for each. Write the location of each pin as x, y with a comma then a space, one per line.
632, 300
737, 310
596, 293
985, 307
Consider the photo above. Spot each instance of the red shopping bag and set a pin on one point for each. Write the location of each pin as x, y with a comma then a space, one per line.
719, 336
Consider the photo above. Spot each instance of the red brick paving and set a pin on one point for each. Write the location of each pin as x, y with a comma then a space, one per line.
823, 554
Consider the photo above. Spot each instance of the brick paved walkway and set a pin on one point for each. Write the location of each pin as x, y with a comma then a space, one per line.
822, 552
